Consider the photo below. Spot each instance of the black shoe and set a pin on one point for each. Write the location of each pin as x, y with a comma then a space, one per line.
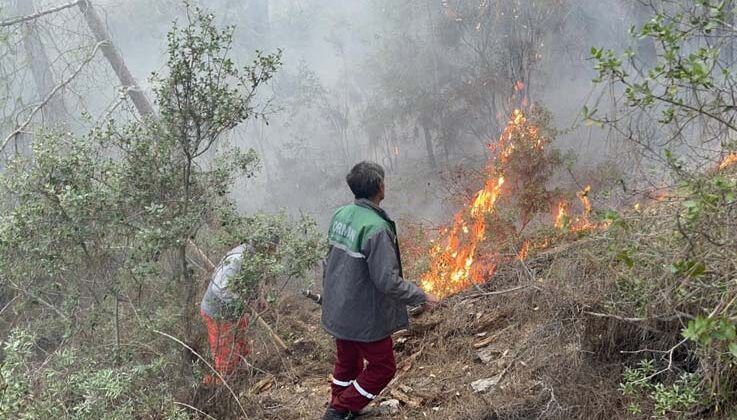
333, 414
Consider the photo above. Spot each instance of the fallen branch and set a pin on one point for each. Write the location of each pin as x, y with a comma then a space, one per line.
405, 398
626, 319
495, 293
670, 363
403, 367
20, 19
7, 305
101, 34
202, 256
279, 342
488, 340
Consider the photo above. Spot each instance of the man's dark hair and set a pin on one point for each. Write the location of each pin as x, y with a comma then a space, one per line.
365, 179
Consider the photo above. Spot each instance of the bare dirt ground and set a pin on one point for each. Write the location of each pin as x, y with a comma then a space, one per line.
524, 335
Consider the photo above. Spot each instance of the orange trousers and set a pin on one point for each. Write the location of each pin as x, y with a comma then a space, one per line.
227, 342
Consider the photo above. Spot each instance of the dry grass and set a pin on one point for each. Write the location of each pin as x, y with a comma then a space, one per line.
577, 314
539, 349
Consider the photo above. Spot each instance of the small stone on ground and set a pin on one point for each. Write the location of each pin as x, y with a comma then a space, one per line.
484, 385
390, 407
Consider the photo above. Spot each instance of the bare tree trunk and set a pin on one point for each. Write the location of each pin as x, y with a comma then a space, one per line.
391, 146
140, 101
43, 76
446, 144
188, 312
428, 146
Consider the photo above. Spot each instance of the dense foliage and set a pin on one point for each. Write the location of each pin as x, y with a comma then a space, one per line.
675, 262
95, 239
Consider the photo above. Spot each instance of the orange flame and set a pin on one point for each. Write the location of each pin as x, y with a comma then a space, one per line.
522, 255
661, 195
454, 263
728, 161
561, 218
580, 223
583, 195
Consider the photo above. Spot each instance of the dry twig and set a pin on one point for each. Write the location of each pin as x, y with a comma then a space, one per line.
20, 19
48, 97
195, 409
495, 293
243, 411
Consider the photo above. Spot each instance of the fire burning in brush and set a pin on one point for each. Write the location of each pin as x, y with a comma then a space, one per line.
728, 161
522, 254
454, 259
561, 216
579, 223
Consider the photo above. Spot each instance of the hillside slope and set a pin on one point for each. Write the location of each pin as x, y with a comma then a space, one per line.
555, 335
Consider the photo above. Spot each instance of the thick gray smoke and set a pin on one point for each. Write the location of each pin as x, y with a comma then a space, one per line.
350, 71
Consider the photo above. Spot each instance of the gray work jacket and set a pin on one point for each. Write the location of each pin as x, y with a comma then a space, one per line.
365, 297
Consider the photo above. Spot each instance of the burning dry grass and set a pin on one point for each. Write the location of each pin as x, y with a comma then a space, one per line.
533, 338
555, 331
454, 263
729, 161
589, 308
468, 251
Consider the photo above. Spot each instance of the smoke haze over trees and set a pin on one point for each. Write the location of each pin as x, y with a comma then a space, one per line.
402, 83
562, 171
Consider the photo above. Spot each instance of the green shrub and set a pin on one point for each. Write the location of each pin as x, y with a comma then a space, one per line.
71, 384
646, 395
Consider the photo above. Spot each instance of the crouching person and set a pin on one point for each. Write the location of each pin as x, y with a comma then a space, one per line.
365, 297
225, 312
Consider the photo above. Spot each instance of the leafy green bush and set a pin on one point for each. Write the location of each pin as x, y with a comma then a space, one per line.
664, 401
674, 261
673, 264
70, 384
94, 234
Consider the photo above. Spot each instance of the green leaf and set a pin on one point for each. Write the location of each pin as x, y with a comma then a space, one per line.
725, 330
690, 332
626, 259
733, 349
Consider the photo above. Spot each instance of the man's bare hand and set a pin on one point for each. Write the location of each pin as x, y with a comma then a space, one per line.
431, 301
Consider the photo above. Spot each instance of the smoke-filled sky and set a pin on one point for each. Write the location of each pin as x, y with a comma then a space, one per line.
374, 79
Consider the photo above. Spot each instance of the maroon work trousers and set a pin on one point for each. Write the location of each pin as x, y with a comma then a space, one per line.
355, 384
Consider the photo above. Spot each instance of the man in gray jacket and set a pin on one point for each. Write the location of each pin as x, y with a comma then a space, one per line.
365, 297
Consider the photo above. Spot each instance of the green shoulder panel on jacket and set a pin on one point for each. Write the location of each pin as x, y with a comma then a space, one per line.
353, 225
